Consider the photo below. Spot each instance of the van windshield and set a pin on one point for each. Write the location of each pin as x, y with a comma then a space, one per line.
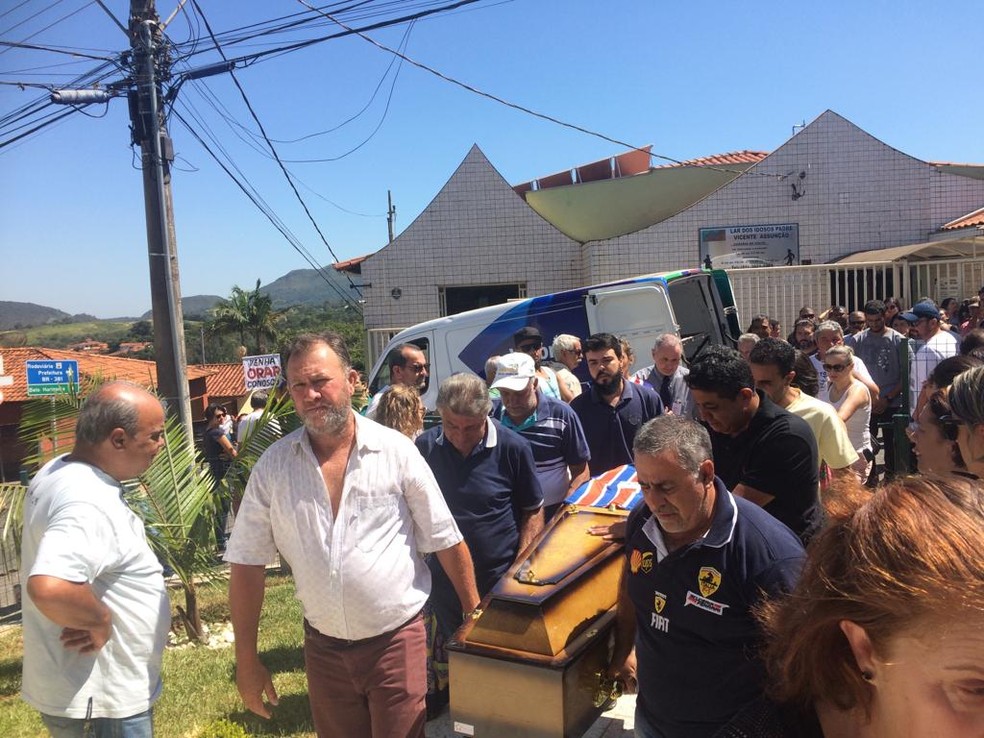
383, 378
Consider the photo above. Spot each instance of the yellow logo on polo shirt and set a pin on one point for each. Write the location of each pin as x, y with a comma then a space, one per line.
708, 580
659, 601
639, 560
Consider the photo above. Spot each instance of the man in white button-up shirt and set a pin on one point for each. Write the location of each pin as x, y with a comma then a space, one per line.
351, 506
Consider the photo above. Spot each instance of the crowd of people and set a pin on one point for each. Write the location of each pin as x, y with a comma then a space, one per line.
766, 590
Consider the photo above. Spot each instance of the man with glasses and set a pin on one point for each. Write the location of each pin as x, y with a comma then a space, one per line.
937, 345
855, 323
407, 366
878, 347
567, 356
529, 341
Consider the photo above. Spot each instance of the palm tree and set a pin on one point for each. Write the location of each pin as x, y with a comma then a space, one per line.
247, 314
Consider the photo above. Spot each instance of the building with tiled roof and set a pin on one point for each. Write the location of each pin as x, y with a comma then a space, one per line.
973, 219
482, 241
206, 383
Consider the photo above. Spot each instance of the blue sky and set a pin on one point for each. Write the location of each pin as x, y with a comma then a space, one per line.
691, 78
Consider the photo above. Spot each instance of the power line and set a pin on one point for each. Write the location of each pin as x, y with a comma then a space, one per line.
269, 143
515, 106
257, 201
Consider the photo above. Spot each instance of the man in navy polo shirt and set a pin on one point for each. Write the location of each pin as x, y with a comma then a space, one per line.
612, 410
488, 477
553, 430
761, 451
698, 560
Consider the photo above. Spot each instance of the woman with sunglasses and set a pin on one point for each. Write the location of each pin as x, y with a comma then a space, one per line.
967, 411
852, 401
219, 451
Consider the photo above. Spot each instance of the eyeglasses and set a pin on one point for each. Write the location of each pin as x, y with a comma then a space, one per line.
834, 367
528, 347
418, 368
808, 316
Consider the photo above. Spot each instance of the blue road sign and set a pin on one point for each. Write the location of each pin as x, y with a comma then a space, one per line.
49, 377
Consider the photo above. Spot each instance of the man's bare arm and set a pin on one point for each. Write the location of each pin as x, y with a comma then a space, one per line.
457, 564
247, 586
530, 525
751, 494
622, 665
579, 475
87, 623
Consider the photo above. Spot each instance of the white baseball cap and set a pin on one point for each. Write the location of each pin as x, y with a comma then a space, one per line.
514, 371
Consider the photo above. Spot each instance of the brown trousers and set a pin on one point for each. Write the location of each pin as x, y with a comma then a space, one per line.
373, 688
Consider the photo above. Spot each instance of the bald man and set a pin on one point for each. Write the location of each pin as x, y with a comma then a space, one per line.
96, 614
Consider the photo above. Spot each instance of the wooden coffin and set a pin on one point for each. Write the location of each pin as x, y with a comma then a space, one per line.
529, 665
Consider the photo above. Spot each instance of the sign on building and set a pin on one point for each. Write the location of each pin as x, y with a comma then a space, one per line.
261, 372
734, 247
48, 377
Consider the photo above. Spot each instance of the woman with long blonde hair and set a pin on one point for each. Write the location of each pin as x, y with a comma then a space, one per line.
400, 408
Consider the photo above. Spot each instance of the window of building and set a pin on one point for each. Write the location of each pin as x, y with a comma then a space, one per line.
458, 299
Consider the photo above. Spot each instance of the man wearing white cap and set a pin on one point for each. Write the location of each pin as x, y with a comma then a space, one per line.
560, 449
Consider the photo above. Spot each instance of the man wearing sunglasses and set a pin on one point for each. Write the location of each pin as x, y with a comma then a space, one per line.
407, 366
529, 341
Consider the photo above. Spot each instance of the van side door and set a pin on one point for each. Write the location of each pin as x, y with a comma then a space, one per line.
638, 312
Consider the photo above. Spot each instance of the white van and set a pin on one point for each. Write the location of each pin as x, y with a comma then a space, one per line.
696, 304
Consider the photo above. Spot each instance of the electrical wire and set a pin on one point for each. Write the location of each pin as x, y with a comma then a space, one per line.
273, 148
263, 208
514, 106
52, 24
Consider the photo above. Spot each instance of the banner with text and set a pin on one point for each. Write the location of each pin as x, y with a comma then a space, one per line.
261, 372
734, 247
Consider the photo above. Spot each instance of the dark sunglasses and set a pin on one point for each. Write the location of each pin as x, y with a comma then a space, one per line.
527, 347
419, 367
834, 367
950, 425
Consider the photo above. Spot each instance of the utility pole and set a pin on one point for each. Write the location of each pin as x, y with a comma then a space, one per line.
156, 153
390, 214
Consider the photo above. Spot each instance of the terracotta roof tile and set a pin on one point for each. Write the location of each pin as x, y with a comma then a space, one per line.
222, 380
140, 371
351, 265
975, 218
722, 160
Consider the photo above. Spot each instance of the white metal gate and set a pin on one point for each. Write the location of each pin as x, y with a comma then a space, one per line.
780, 292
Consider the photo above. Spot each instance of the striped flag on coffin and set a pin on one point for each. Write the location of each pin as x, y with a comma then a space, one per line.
616, 487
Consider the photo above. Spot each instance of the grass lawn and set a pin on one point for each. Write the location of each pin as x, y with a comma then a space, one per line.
199, 683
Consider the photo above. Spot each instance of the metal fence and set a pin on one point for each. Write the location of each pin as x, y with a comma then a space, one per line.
780, 292
10, 588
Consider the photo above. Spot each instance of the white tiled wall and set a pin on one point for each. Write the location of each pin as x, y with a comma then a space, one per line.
477, 230
858, 194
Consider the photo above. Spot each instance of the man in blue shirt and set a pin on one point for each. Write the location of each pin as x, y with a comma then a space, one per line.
698, 561
560, 449
488, 477
612, 410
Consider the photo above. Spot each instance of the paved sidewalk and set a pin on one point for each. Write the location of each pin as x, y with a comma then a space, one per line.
616, 723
